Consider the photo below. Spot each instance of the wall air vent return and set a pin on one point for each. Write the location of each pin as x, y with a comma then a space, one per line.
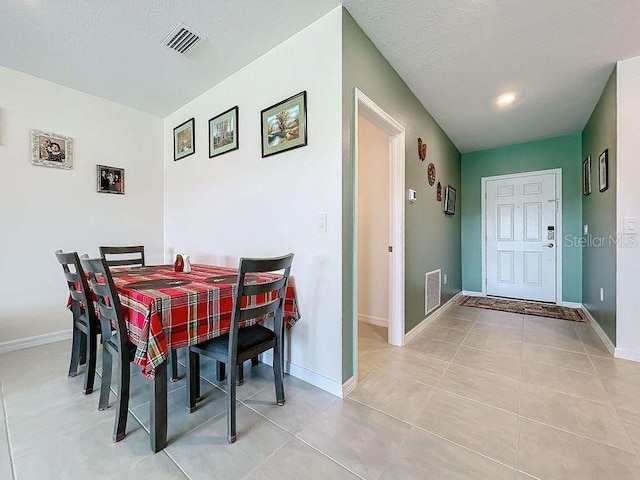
182, 39
432, 287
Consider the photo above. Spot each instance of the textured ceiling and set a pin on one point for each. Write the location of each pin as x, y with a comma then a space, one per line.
458, 55
112, 48
455, 55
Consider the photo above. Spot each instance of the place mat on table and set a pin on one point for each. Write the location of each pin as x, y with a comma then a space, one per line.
232, 278
157, 284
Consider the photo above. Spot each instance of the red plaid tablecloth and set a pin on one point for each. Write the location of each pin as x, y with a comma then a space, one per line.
163, 319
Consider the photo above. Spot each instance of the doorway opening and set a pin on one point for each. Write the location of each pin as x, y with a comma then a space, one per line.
379, 224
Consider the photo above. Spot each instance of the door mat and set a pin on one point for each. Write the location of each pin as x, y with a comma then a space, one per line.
525, 308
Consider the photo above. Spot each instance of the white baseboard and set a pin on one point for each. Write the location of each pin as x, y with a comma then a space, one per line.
471, 293
576, 305
627, 354
29, 342
379, 321
415, 331
315, 379
598, 329
349, 386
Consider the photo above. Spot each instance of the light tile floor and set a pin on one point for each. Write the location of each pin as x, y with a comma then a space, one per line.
477, 395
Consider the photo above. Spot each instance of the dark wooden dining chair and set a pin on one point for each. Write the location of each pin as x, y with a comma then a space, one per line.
126, 256
242, 344
115, 344
86, 326
133, 256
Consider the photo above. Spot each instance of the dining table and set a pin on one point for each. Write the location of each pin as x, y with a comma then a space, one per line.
165, 310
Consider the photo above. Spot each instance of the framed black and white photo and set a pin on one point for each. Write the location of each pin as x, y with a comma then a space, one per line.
110, 179
603, 170
450, 200
586, 176
284, 125
184, 140
51, 150
223, 133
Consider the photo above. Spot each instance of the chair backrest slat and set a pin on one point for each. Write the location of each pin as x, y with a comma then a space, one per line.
82, 301
107, 300
274, 291
135, 255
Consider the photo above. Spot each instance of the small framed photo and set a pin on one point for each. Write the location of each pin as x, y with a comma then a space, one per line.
223, 133
450, 200
184, 140
110, 179
284, 125
603, 169
586, 176
51, 150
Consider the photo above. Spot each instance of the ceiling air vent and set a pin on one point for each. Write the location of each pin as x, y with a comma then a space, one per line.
181, 39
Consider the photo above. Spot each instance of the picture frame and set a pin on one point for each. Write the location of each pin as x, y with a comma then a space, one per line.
51, 150
603, 170
450, 200
284, 125
223, 132
184, 139
110, 179
586, 176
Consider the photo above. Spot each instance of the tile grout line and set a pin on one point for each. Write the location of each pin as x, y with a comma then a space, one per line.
6, 432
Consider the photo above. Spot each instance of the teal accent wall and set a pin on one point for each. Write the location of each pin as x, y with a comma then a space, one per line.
432, 239
599, 212
558, 152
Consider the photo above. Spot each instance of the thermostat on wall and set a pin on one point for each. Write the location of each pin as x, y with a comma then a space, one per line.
412, 196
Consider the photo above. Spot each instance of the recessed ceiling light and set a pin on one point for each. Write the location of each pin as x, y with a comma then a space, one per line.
506, 99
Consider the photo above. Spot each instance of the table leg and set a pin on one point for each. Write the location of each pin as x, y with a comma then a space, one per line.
158, 413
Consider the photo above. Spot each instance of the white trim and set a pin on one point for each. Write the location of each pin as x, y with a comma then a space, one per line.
626, 354
471, 293
603, 336
396, 325
570, 304
29, 342
349, 386
315, 379
559, 235
415, 331
379, 321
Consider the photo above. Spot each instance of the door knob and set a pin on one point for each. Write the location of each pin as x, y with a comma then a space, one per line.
550, 245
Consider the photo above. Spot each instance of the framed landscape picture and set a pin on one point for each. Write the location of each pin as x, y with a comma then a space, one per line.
450, 200
110, 179
184, 141
223, 133
603, 170
586, 176
284, 125
51, 150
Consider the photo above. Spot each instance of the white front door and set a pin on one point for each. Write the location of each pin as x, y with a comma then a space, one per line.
521, 237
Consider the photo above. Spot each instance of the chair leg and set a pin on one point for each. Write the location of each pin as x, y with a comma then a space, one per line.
174, 365
278, 374
83, 348
193, 379
75, 352
231, 407
254, 361
240, 368
220, 371
105, 384
90, 374
122, 409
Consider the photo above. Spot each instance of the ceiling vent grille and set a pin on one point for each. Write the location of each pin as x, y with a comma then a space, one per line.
181, 39
432, 291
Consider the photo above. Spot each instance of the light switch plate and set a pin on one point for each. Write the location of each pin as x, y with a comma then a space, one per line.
630, 225
322, 222
585, 229
412, 196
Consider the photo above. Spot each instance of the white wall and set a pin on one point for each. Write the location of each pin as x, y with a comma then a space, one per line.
628, 205
44, 209
373, 223
239, 204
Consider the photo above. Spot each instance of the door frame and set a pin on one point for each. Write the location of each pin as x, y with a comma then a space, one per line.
396, 132
559, 236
